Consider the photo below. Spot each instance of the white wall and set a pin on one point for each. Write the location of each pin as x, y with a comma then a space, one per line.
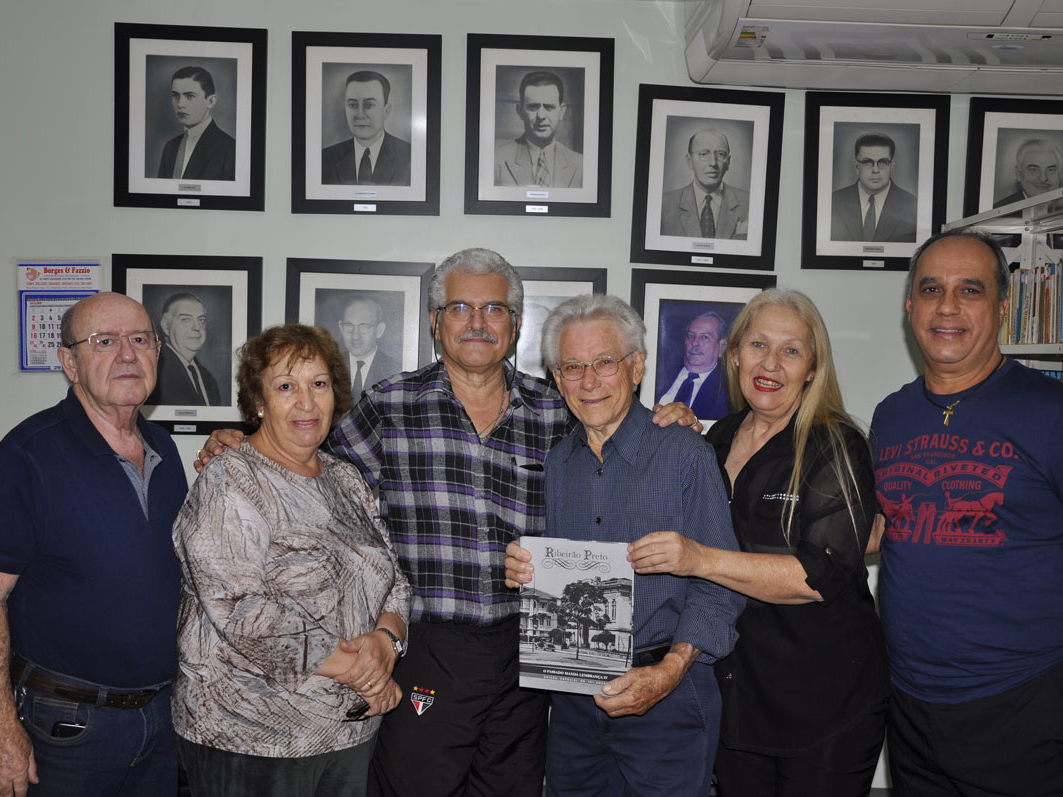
56, 87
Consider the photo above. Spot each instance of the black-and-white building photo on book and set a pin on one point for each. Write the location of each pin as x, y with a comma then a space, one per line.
575, 615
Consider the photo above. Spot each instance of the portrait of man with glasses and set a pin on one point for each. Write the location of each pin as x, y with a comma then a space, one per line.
706, 207
361, 328
874, 208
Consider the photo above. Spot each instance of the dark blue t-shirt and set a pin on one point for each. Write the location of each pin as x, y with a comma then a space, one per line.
98, 584
971, 586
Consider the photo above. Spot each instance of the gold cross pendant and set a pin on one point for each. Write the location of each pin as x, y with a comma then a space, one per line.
948, 411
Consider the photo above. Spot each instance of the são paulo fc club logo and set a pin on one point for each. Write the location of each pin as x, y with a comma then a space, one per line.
422, 699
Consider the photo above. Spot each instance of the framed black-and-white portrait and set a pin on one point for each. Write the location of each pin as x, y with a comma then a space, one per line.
544, 289
189, 117
875, 178
365, 123
705, 191
539, 125
376, 311
1014, 151
203, 309
688, 317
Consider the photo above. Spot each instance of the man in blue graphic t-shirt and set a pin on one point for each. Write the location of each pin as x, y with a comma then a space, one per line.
969, 473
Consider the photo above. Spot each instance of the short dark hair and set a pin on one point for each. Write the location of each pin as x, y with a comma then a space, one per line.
179, 297
874, 140
198, 74
368, 76
542, 78
1003, 270
294, 342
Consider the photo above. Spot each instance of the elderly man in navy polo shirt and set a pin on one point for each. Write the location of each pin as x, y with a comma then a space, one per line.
87, 571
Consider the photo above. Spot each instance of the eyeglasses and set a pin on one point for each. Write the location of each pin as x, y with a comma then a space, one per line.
719, 155
603, 366
460, 311
112, 341
882, 163
346, 327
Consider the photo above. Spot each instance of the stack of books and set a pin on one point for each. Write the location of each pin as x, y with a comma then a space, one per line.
1034, 310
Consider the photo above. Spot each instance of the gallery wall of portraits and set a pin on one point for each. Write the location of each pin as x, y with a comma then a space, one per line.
471, 97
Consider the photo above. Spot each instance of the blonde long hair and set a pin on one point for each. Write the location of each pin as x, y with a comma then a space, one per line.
821, 404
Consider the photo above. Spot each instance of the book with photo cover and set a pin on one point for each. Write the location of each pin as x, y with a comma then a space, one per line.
575, 615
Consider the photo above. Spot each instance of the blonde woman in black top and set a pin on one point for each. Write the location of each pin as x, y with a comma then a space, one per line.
804, 692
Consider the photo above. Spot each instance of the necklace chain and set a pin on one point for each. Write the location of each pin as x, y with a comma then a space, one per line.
948, 410
491, 424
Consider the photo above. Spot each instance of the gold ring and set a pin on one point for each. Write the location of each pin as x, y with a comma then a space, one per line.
367, 684
199, 453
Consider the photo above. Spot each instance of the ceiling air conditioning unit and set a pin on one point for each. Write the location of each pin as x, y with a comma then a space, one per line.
966, 46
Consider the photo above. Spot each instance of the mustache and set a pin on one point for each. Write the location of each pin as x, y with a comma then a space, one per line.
477, 334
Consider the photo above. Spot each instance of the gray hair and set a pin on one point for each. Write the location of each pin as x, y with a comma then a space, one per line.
1036, 145
476, 261
721, 325
1003, 272
591, 307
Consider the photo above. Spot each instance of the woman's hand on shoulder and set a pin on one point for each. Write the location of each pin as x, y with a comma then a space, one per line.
676, 412
666, 552
218, 441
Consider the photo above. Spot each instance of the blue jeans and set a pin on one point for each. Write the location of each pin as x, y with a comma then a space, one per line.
127, 752
668, 750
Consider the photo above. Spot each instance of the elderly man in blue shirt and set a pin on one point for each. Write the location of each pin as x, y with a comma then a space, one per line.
616, 478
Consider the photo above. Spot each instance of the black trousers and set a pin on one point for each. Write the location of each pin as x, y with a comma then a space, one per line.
842, 766
219, 773
1005, 744
464, 727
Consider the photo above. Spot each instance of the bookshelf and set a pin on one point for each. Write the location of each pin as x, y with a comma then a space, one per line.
1031, 223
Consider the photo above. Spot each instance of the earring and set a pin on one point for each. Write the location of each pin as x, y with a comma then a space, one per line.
261, 413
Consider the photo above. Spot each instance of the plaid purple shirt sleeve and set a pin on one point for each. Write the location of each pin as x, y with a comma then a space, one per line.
452, 502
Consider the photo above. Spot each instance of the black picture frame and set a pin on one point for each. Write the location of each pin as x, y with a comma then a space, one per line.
147, 135
498, 175
324, 166
230, 289
319, 291
664, 213
914, 207
544, 289
997, 128
668, 300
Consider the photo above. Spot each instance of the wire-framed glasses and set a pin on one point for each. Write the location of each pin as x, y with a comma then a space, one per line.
461, 311
603, 366
112, 341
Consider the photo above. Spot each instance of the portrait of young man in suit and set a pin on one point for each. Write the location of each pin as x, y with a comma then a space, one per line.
203, 151
537, 158
706, 207
182, 379
701, 383
874, 208
1037, 163
372, 156
361, 329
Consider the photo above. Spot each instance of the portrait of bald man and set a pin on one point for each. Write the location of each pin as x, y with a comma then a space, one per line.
707, 206
1037, 163
360, 329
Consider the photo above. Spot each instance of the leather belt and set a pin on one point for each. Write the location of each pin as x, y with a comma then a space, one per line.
649, 656
126, 698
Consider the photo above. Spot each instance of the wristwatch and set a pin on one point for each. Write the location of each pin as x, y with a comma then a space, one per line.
400, 648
